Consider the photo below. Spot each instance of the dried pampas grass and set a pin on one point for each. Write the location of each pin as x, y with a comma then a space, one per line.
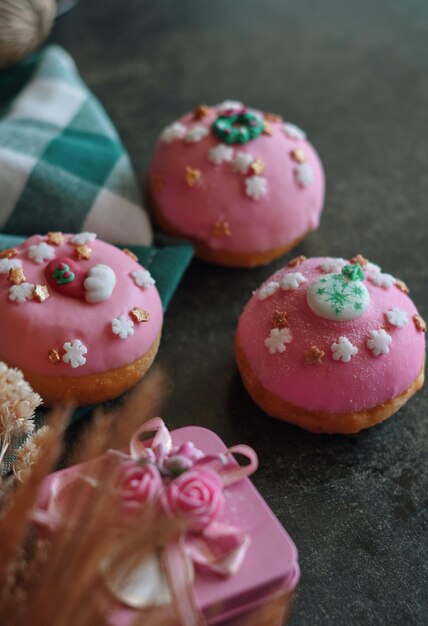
24, 25
54, 578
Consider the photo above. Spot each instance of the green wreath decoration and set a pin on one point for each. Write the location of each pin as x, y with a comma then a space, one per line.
238, 127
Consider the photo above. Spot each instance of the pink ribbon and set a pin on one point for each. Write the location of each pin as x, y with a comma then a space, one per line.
218, 549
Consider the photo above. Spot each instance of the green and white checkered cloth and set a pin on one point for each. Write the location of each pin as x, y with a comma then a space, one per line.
62, 164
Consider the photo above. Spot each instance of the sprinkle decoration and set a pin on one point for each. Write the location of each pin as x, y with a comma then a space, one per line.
296, 261
314, 356
55, 238
122, 326
401, 285
272, 117
298, 155
277, 339
379, 342
343, 350
279, 319
54, 356
257, 167
201, 111
139, 315
40, 293
191, 176
74, 353
420, 323
130, 254
267, 129
359, 259
83, 252
16, 276
9, 253
221, 229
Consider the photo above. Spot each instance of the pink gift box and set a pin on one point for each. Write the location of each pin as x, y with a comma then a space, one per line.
270, 564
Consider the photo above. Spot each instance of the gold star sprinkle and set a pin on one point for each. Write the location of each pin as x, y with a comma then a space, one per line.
298, 155
191, 176
139, 315
9, 253
41, 293
55, 238
16, 275
83, 252
267, 128
158, 183
272, 117
402, 286
221, 229
296, 261
257, 167
314, 356
201, 111
420, 323
130, 254
53, 356
279, 319
359, 259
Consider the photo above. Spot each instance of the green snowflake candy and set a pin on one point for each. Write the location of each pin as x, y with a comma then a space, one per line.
341, 297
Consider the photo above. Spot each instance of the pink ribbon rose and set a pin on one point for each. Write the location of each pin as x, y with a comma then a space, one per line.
138, 483
197, 496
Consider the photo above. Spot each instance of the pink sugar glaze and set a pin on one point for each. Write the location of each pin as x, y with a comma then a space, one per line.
364, 382
29, 330
286, 213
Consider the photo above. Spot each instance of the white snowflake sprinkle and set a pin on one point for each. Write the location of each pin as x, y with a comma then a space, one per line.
294, 132
242, 162
304, 174
173, 132
220, 154
343, 350
7, 264
396, 317
21, 293
229, 105
382, 280
277, 339
122, 326
74, 351
143, 278
379, 342
372, 267
332, 266
292, 281
81, 238
196, 133
40, 252
267, 290
255, 187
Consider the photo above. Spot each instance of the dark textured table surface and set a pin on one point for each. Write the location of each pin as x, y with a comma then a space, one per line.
354, 76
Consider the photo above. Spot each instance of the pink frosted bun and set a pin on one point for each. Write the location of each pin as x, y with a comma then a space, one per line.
329, 349
240, 204
85, 328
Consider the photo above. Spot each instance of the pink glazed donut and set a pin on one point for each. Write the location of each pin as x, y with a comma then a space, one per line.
333, 346
80, 317
242, 185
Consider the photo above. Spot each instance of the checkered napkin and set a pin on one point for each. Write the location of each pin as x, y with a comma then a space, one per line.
62, 164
